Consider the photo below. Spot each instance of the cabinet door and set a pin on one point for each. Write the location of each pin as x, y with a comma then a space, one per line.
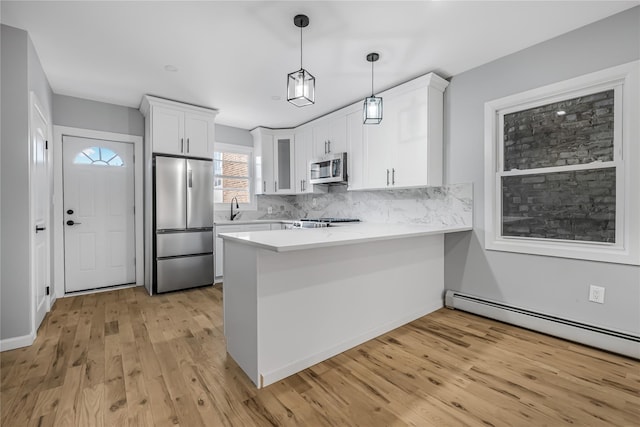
219, 256
330, 136
167, 130
267, 164
320, 134
409, 112
303, 154
284, 165
256, 227
198, 135
338, 134
378, 164
355, 149
219, 259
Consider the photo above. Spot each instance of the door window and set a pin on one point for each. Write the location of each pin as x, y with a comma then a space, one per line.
100, 156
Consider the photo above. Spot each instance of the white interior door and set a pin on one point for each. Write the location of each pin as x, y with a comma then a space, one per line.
99, 226
40, 200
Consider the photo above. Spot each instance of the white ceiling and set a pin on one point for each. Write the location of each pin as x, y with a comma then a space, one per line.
235, 55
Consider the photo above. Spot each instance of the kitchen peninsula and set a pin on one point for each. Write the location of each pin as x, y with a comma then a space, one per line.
293, 298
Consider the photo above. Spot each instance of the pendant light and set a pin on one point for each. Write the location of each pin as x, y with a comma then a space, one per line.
301, 85
372, 110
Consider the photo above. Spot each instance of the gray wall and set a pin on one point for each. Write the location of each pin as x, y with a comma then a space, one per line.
555, 286
94, 115
231, 135
21, 73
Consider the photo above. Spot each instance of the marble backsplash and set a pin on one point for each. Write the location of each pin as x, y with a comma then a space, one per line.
446, 205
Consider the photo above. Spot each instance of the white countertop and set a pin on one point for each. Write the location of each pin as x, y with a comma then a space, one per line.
309, 238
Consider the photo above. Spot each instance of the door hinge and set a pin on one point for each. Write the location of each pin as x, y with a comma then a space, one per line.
47, 290
46, 144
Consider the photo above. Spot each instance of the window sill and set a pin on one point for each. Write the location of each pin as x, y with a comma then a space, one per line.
601, 252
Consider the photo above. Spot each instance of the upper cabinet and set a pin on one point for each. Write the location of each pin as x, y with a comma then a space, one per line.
330, 134
355, 151
275, 161
303, 141
405, 149
179, 129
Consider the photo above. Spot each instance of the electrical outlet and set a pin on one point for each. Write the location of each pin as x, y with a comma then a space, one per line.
596, 294
269, 210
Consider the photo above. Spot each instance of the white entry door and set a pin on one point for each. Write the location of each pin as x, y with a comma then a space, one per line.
99, 235
40, 200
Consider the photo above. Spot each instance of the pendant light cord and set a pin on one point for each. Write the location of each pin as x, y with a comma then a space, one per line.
301, 48
372, 94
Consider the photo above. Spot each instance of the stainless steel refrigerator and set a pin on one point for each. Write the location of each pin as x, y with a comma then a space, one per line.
183, 223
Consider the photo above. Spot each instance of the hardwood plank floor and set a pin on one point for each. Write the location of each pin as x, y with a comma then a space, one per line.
122, 358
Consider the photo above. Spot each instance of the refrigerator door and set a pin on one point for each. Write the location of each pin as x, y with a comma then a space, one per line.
184, 243
171, 197
184, 272
199, 193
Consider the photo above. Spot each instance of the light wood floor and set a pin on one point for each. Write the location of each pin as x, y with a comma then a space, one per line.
122, 358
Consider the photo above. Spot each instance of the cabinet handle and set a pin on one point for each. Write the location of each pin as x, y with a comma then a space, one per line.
393, 176
325, 147
182, 145
264, 186
275, 186
387, 177
304, 185
329, 146
187, 145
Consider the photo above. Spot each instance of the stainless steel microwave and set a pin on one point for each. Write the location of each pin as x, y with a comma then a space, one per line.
329, 169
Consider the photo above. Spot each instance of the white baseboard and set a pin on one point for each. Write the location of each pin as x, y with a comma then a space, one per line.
17, 342
595, 336
290, 369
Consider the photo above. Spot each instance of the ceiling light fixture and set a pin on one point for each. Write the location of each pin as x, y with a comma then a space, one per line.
301, 85
372, 110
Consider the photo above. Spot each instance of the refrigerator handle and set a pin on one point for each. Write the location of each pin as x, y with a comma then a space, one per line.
190, 178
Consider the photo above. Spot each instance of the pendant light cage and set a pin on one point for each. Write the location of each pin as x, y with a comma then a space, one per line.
372, 109
301, 85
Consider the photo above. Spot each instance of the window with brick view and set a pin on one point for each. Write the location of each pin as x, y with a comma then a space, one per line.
232, 176
558, 179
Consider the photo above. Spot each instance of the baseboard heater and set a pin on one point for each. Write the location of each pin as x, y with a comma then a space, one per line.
595, 336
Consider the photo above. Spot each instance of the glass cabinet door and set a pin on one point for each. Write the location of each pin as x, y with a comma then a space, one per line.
284, 165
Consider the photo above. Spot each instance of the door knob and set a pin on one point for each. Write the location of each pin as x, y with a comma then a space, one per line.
72, 222
70, 211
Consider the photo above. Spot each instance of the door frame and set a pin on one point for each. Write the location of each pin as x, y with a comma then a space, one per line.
58, 288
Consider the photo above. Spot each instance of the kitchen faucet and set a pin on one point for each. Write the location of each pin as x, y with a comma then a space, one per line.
233, 215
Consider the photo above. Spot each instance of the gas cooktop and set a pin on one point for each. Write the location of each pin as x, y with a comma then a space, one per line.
320, 222
330, 220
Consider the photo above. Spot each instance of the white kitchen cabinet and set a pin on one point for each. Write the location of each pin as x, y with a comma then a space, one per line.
304, 153
330, 134
219, 255
275, 161
178, 129
355, 150
405, 149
